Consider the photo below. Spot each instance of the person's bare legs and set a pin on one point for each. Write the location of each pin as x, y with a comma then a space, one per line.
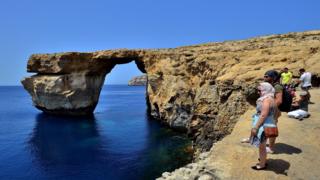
262, 154
272, 141
308, 94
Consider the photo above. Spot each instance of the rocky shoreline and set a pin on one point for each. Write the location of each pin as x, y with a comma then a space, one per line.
201, 89
197, 170
295, 157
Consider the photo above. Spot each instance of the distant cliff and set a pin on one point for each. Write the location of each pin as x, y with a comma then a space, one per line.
201, 89
138, 81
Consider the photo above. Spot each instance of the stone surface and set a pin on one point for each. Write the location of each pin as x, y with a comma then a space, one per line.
296, 151
200, 89
68, 94
138, 81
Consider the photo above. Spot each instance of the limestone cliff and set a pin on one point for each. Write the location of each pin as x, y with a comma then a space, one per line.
199, 89
296, 152
138, 81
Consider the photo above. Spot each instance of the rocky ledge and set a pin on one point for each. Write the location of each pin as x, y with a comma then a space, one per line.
200, 89
138, 81
296, 152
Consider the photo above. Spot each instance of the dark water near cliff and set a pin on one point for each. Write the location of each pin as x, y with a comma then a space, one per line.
119, 142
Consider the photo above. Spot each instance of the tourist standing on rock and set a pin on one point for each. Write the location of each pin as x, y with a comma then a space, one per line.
272, 77
305, 80
286, 77
263, 118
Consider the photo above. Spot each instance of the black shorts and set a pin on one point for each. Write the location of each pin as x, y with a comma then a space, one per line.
306, 88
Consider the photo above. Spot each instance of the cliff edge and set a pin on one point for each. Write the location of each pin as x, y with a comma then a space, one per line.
201, 89
296, 152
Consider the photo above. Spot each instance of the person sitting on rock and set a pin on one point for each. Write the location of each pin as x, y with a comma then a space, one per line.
265, 117
302, 107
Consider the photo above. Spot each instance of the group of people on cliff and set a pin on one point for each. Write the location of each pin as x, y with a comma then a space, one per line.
277, 93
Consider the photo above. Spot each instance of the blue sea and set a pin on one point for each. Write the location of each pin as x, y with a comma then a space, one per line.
119, 142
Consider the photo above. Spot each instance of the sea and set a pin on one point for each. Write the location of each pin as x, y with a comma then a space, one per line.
120, 141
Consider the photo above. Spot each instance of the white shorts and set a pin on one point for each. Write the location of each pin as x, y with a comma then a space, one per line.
299, 113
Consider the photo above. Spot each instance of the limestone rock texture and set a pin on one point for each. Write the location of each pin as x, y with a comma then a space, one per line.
138, 81
296, 152
200, 89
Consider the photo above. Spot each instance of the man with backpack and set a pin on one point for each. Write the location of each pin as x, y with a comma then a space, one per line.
273, 77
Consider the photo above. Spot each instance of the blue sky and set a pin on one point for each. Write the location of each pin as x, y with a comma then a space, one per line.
43, 26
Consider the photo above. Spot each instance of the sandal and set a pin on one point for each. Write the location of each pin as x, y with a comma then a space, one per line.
258, 164
269, 151
258, 168
245, 140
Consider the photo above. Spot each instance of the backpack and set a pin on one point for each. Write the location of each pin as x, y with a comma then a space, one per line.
285, 106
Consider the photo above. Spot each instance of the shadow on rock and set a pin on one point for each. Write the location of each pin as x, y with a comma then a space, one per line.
281, 148
278, 166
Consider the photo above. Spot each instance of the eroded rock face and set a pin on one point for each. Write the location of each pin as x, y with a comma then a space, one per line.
199, 89
69, 94
70, 83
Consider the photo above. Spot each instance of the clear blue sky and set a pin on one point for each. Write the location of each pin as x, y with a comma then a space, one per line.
46, 26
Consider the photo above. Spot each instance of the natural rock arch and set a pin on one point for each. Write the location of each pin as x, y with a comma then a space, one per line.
201, 89
70, 83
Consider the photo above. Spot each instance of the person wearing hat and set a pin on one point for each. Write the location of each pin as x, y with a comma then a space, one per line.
273, 77
302, 104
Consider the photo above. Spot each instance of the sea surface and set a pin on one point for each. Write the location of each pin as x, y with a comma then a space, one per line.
119, 142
